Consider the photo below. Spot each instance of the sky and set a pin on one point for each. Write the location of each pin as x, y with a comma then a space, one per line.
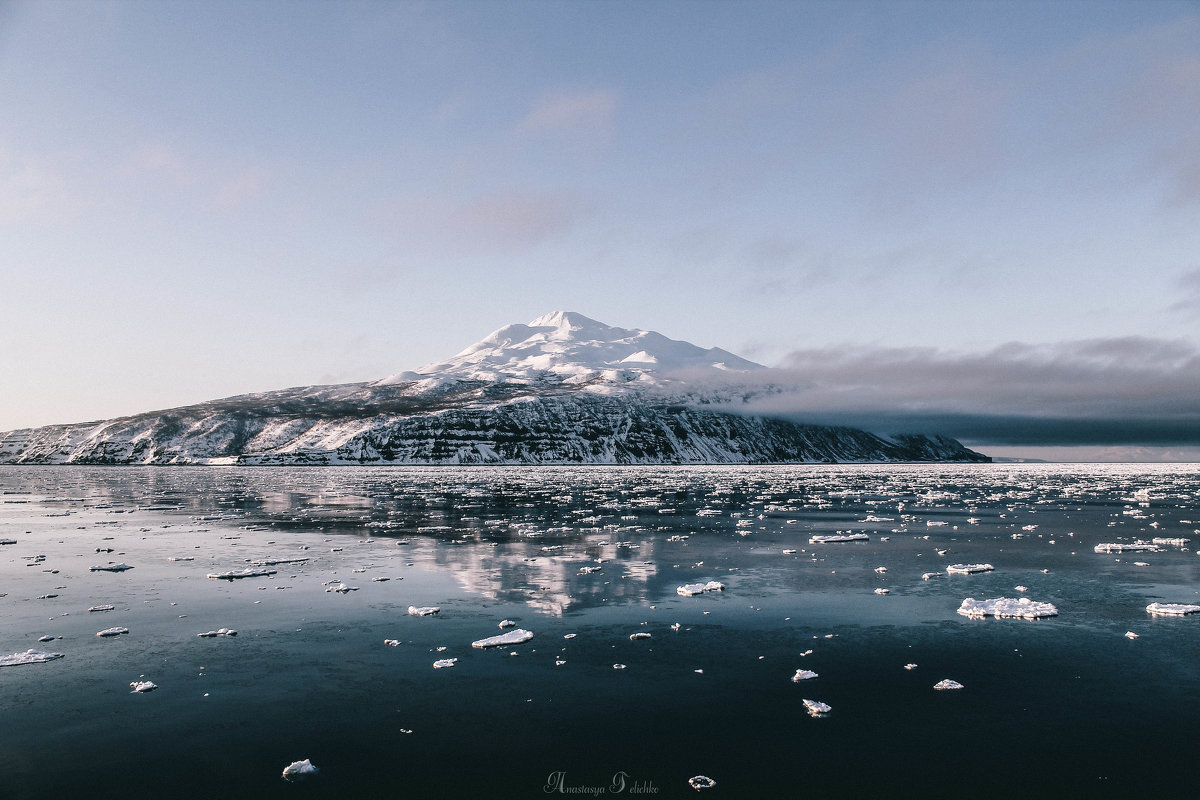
984, 215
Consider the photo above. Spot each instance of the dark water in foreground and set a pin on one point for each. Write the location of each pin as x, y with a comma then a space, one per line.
1062, 707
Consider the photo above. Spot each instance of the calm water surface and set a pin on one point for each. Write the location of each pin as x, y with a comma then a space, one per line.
1061, 707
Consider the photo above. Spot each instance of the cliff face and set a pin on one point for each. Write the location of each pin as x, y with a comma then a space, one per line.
563, 389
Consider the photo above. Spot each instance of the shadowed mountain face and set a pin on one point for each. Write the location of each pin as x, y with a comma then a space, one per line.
563, 389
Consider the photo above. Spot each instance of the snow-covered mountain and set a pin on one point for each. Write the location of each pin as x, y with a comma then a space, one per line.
564, 389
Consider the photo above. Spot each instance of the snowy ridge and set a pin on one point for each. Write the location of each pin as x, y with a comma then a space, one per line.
563, 389
567, 347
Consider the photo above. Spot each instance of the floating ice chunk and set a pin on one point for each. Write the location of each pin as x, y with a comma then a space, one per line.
1018, 608
181, 558
141, 687
935, 524
839, 537
1131, 635
217, 632
110, 568
423, 611
618, 666
1141, 563
30, 656
1170, 542
816, 708
1020, 588
48, 638
910, 666
947, 684
341, 588
881, 590
8, 541
803, 675
112, 631
517, 636
1172, 609
701, 782
443, 663
693, 589
589, 570
234, 574
298, 770
1123, 547
101, 608
507, 623
392, 642
276, 562
968, 569
881, 570
639, 635
927, 575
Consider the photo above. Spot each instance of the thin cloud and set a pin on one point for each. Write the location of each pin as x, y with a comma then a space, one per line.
1189, 289
504, 220
571, 112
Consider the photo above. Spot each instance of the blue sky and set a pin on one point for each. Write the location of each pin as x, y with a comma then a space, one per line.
205, 199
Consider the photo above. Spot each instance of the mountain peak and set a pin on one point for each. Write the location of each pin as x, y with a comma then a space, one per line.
568, 347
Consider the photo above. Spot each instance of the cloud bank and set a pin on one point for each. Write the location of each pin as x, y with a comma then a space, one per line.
1115, 391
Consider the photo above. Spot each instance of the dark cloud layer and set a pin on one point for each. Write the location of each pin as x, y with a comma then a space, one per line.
1128, 390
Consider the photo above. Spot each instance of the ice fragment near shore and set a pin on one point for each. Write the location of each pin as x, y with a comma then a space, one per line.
816, 708
839, 537
1172, 609
112, 631
30, 656
110, 568
518, 636
234, 574
968, 569
299, 769
1014, 607
423, 611
946, 683
693, 589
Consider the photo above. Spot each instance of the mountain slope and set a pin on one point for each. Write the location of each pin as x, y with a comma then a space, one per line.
562, 389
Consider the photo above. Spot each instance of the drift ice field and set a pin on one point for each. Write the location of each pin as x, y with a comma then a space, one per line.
859, 630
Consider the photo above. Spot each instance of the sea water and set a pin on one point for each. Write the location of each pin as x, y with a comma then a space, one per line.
586, 559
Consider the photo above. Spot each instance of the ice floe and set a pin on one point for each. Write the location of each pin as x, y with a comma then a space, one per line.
423, 611
507, 623
701, 782
1131, 635
803, 675
112, 631
910, 666
511, 637
1172, 609
109, 568
839, 537
141, 687
1170, 542
341, 588
881, 590
217, 632
639, 635
234, 574
1126, 547
1014, 607
444, 663
816, 708
28, 657
693, 589
968, 569
946, 683
101, 608
299, 769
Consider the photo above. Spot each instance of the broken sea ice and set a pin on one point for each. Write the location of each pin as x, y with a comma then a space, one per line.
298, 770
517, 636
693, 589
1011, 607
28, 657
